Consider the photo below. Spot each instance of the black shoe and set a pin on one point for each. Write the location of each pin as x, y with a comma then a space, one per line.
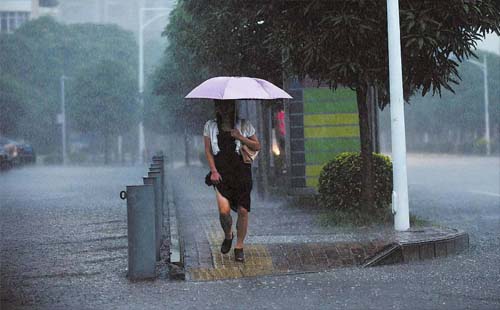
239, 256
226, 245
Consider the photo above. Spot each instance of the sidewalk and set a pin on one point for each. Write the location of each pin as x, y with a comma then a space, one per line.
287, 239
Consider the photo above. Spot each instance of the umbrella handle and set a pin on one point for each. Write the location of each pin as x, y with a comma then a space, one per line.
235, 113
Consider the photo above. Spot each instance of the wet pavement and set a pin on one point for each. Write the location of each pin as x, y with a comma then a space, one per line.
284, 237
63, 246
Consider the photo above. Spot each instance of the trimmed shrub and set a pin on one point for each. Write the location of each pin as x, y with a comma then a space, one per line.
340, 183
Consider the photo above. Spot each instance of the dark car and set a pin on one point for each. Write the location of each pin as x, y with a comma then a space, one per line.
9, 152
5, 162
26, 153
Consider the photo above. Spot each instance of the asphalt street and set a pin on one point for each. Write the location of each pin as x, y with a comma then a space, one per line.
63, 246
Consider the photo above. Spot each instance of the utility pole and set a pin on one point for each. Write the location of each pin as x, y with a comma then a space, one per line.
400, 206
142, 25
484, 67
62, 121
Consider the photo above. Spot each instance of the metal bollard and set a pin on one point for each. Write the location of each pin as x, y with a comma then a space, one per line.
158, 216
155, 167
157, 175
158, 157
159, 163
162, 176
141, 234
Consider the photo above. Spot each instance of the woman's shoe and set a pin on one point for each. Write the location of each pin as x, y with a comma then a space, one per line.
239, 256
226, 245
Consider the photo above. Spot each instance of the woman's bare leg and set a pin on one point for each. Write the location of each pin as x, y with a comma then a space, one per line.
226, 221
241, 227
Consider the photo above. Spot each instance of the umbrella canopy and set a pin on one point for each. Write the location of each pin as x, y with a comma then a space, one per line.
230, 87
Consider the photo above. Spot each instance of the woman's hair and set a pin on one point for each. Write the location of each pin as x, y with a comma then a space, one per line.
218, 117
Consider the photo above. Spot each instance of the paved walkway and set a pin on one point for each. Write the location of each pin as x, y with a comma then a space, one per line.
282, 238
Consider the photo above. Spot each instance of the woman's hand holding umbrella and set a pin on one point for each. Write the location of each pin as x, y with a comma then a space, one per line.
235, 133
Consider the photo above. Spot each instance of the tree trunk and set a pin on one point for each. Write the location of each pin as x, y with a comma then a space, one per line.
367, 190
186, 148
262, 173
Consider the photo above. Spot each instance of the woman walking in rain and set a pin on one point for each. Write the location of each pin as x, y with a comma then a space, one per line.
224, 138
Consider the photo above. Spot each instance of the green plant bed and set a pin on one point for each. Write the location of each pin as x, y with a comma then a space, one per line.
345, 219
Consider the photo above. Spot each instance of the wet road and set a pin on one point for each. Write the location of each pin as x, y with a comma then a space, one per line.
63, 246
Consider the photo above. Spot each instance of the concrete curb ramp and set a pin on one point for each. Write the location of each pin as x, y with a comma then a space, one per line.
289, 258
406, 251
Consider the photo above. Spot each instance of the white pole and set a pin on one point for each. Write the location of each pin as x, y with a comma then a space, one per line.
400, 180
486, 108
142, 25
63, 121
142, 145
120, 152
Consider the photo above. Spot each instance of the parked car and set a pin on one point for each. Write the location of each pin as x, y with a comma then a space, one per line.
9, 151
5, 162
26, 153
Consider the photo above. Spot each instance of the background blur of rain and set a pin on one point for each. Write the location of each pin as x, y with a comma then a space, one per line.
455, 123
91, 49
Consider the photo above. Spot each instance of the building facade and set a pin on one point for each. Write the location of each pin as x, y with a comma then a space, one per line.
14, 13
124, 13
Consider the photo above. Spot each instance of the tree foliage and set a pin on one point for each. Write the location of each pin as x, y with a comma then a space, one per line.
342, 43
12, 102
454, 122
34, 58
103, 99
207, 39
345, 42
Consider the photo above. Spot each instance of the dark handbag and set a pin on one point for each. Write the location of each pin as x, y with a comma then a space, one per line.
207, 179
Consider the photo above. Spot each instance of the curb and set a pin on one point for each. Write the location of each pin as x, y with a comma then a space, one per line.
176, 266
408, 251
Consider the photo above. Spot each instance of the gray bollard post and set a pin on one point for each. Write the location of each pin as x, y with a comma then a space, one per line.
141, 234
157, 175
158, 216
158, 157
162, 176
162, 187
159, 163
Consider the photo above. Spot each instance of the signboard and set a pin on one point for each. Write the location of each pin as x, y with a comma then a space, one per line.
322, 126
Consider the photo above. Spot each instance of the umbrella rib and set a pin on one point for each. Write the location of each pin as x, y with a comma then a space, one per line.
225, 88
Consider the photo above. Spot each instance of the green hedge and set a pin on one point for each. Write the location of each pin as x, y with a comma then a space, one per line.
340, 182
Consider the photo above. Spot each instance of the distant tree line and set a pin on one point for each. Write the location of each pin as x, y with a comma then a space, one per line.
100, 63
455, 122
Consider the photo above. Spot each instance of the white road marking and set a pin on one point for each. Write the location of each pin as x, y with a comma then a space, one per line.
485, 193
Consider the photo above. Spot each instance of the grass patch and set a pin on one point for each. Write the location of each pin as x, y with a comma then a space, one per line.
356, 219
416, 221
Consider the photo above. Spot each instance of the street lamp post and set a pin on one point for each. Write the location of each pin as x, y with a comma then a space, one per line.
142, 25
484, 68
62, 120
400, 180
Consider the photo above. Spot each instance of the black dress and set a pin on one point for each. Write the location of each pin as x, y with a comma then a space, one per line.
236, 183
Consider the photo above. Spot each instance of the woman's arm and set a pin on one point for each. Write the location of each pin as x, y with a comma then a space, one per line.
210, 158
252, 141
